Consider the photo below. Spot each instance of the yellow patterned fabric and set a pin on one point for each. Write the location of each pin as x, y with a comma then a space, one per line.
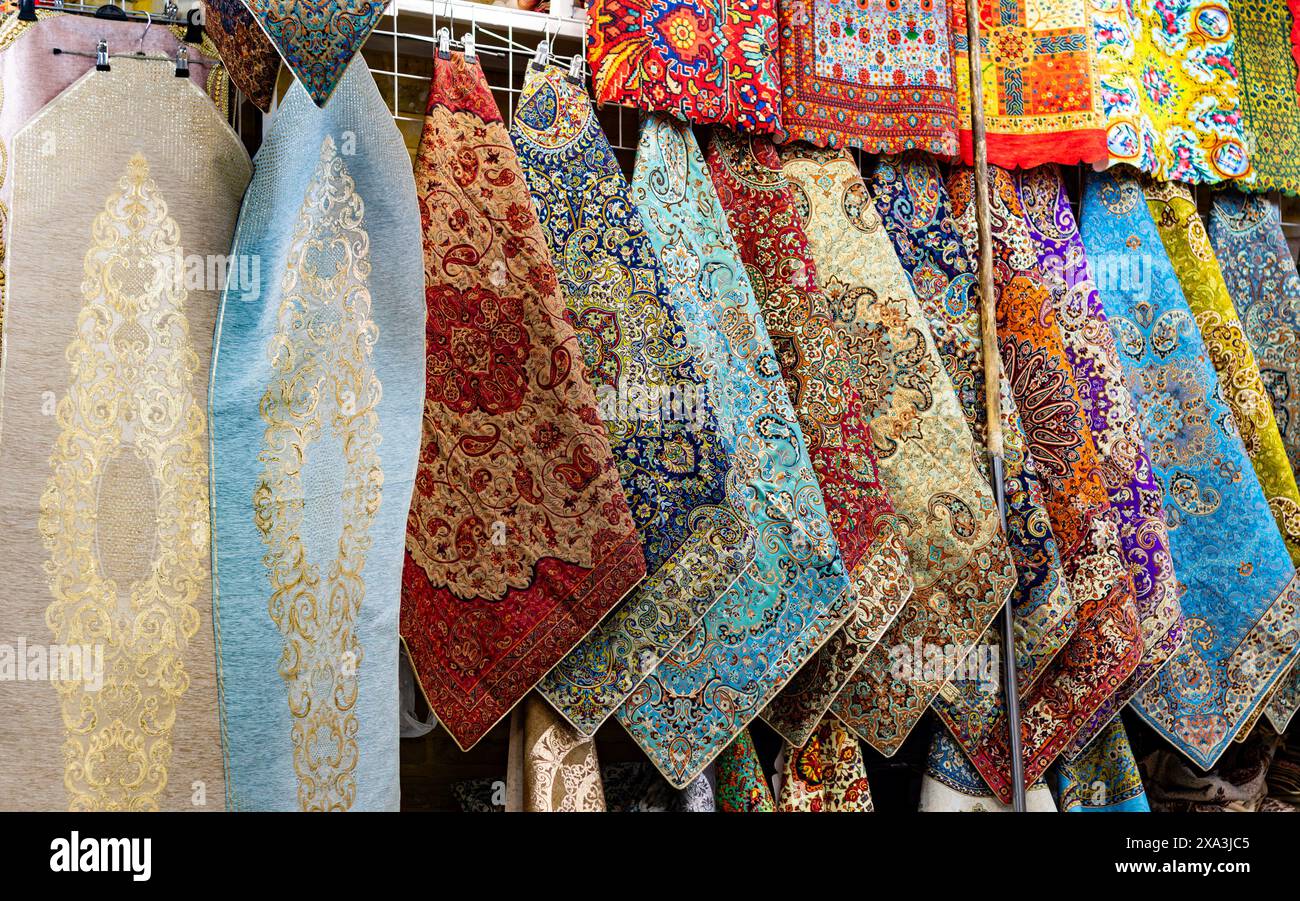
1192, 255
1270, 106
826, 775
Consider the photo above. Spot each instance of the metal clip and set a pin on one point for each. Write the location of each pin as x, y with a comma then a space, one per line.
444, 43
575, 66
467, 41
101, 57
171, 10
542, 54
182, 63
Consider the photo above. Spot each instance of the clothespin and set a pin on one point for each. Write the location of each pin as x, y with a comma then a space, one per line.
171, 10
444, 43
575, 66
101, 57
182, 62
542, 54
467, 40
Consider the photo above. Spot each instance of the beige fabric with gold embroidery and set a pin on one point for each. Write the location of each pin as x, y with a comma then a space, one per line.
560, 770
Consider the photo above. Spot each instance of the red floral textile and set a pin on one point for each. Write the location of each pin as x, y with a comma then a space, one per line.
705, 61
519, 537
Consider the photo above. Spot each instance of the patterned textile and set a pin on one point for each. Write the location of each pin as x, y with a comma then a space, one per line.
637, 787
561, 770
519, 538
1294, 6
742, 787
248, 53
952, 785
316, 399
1169, 88
1237, 783
1055, 406
915, 207
652, 393
1238, 587
705, 61
1189, 249
109, 698
960, 562
795, 594
826, 775
1041, 102
1104, 778
815, 351
318, 38
477, 795
875, 74
1136, 496
1270, 106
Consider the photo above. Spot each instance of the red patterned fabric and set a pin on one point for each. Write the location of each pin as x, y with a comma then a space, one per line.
1295, 40
519, 538
705, 61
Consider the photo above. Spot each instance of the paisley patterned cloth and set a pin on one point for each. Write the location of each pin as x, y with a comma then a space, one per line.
705, 61
1239, 590
1055, 408
1169, 88
561, 772
1041, 102
875, 74
826, 775
917, 212
248, 53
1136, 496
815, 351
795, 594
651, 390
1189, 249
1246, 232
952, 785
316, 400
961, 565
109, 695
317, 38
1105, 778
1269, 100
742, 787
519, 539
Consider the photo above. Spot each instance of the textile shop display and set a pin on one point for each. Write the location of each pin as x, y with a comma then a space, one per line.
1170, 89
705, 61
876, 75
917, 211
1042, 102
248, 53
952, 785
1189, 249
795, 594
105, 507
316, 401
317, 38
1055, 408
1239, 590
1269, 100
652, 393
1104, 778
815, 353
742, 786
519, 538
826, 775
961, 565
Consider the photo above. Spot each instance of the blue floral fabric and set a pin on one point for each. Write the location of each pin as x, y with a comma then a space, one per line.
1105, 778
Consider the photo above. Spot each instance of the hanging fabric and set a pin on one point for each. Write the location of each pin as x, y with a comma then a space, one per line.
561, 770
519, 539
742, 786
826, 775
1188, 246
1041, 99
952, 785
1104, 778
247, 52
703, 62
1170, 89
795, 595
108, 328
317, 395
1239, 587
960, 562
1238, 783
651, 391
877, 76
815, 352
637, 787
317, 39
1136, 496
1270, 106
1055, 406
1252, 251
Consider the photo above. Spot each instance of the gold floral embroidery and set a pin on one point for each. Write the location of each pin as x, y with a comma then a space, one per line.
124, 515
321, 358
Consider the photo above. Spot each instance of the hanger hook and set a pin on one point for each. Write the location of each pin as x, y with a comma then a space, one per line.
148, 23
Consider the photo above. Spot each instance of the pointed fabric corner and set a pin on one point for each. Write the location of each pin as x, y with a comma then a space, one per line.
827, 774
251, 59
1104, 778
742, 785
951, 784
317, 39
